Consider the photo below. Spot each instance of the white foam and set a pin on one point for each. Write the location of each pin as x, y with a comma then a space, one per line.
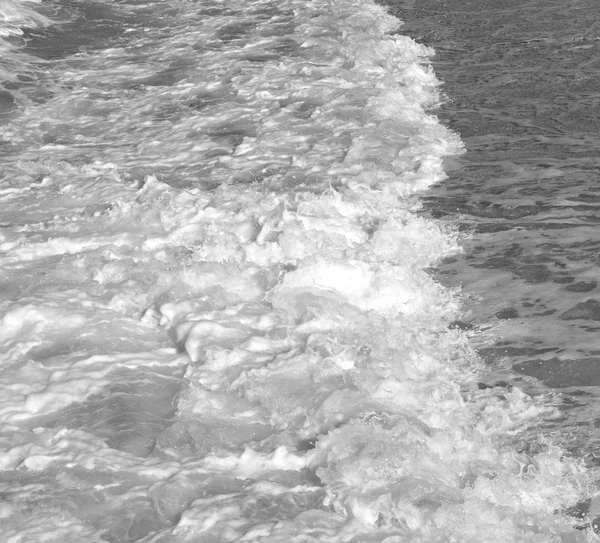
217, 322
16, 14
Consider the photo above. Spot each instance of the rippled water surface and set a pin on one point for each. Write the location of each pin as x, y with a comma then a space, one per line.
522, 88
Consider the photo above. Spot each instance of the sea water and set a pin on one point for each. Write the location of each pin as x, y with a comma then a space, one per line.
218, 318
521, 82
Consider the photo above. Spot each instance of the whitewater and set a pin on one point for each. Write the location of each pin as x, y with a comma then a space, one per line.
218, 320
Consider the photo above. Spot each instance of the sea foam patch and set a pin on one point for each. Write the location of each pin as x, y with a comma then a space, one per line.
218, 317
16, 15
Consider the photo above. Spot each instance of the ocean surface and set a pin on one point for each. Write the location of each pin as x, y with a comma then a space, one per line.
263, 278
522, 89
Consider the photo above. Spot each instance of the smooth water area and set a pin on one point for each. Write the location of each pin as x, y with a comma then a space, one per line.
521, 85
218, 313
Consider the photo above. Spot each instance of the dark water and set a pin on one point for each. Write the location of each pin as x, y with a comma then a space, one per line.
522, 85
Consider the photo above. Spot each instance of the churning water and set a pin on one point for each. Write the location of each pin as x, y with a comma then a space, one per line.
219, 320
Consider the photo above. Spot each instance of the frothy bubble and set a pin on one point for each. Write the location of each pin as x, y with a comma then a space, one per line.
217, 321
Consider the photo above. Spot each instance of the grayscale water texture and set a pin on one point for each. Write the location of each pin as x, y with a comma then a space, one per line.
522, 86
219, 319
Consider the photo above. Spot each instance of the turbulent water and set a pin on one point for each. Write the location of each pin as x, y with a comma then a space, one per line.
521, 79
218, 317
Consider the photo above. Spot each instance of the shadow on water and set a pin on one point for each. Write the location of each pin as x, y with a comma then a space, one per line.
129, 414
